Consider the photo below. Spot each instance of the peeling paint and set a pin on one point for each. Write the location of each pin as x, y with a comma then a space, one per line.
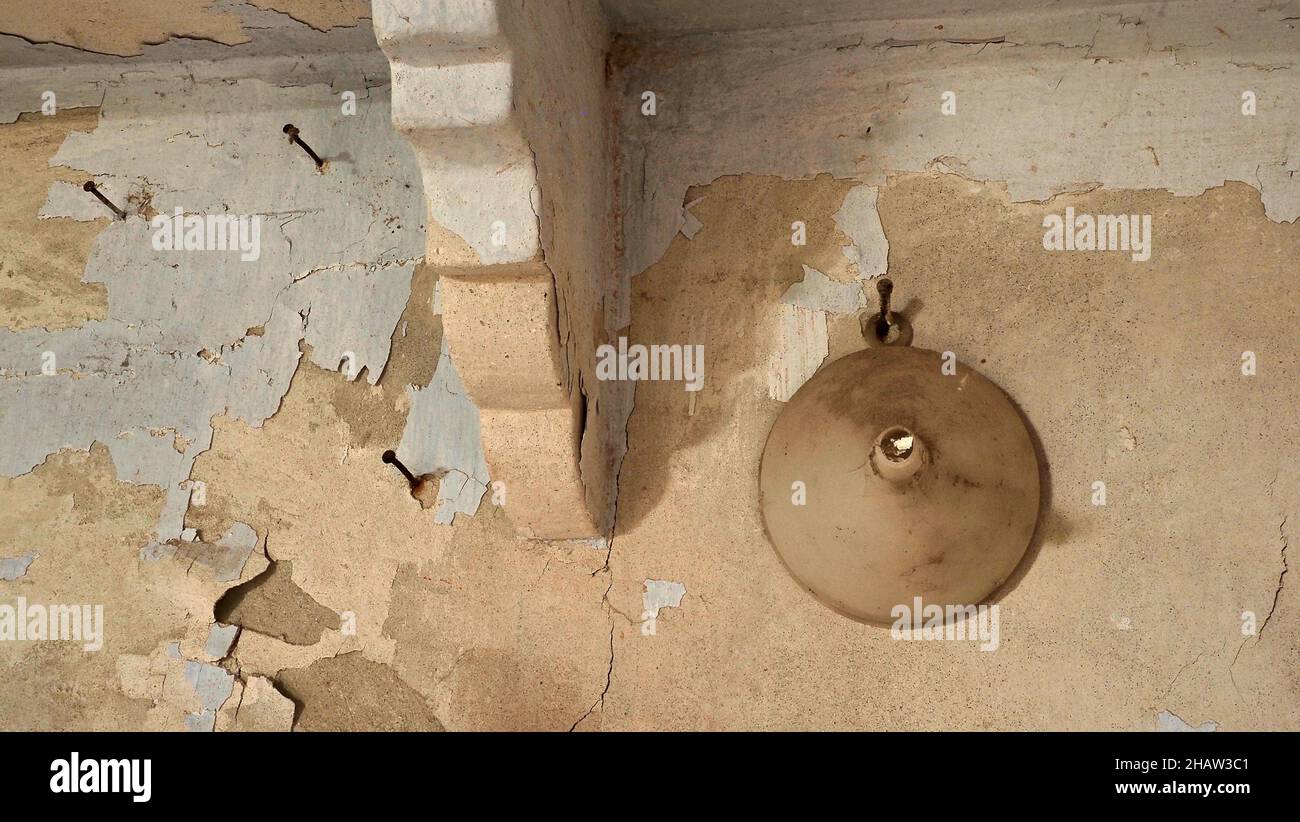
11, 568
691, 224
453, 630
818, 292
338, 251
220, 640
321, 15
1168, 722
661, 593
442, 434
213, 686
802, 342
282, 52
865, 111
134, 23
43, 260
860, 221
226, 557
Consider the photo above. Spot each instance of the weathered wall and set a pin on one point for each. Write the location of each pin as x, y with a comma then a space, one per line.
668, 18
1057, 100
1124, 368
360, 607
1128, 374
505, 104
141, 354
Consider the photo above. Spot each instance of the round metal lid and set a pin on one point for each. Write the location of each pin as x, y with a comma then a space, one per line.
915, 484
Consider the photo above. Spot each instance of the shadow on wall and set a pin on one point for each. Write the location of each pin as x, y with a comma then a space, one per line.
1050, 524
720, 290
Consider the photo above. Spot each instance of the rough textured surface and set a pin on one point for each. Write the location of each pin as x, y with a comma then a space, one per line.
139, 350
666, 18
516, 156
350, 693
341, 535
1100, 629
260, 707
442, 434
191, 335
229, 436
863, 100
501, 634
42, 260
119, 27
322, 15
273, 605
88, 528
284, 52
11, 568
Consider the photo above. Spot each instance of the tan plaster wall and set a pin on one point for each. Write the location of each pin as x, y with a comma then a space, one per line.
42, 260
1122, 611
119, 27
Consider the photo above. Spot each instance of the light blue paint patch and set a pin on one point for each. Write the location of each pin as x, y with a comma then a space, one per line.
442, 437
12, 568
1168, 722
213, 684
220, 638
818, 292
204, 721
